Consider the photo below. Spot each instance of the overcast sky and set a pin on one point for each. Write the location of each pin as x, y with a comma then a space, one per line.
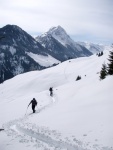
83, 20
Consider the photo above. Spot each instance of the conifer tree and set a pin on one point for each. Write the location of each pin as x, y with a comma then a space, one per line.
103, 72
110, 64
101, 53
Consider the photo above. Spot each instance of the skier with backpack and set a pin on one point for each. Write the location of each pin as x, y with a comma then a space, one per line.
51, 91
34, 104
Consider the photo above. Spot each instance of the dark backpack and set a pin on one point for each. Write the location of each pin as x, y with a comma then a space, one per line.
50, 89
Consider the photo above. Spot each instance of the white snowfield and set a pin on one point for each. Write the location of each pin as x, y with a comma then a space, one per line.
79, 116
45, 61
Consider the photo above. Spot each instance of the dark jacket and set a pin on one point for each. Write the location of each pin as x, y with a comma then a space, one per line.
33, 102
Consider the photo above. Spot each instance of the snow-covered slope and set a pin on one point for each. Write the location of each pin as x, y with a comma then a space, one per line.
78, 116
46, 61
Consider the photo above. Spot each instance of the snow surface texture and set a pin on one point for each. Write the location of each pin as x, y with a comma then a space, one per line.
79, 116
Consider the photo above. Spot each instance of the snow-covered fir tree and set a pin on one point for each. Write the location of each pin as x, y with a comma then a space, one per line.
103, 72
110, 64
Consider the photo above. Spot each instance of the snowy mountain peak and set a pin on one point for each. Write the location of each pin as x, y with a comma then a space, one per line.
60, 35
59, 42
57, 30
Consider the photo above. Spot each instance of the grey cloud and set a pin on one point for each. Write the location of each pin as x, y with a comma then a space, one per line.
76, 16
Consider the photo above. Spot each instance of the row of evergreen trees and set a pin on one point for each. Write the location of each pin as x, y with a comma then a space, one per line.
100, 54
107, 69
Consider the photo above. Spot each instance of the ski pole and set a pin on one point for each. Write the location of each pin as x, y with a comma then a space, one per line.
26, 110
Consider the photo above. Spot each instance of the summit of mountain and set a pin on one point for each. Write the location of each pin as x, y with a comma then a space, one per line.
70, 49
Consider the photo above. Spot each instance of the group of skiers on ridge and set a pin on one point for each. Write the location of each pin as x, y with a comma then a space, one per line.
34, 102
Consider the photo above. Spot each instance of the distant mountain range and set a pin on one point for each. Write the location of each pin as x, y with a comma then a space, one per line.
20, 52
93, 48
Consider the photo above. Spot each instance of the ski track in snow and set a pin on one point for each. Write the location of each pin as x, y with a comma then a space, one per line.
18, 129
46, 139
41, 137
